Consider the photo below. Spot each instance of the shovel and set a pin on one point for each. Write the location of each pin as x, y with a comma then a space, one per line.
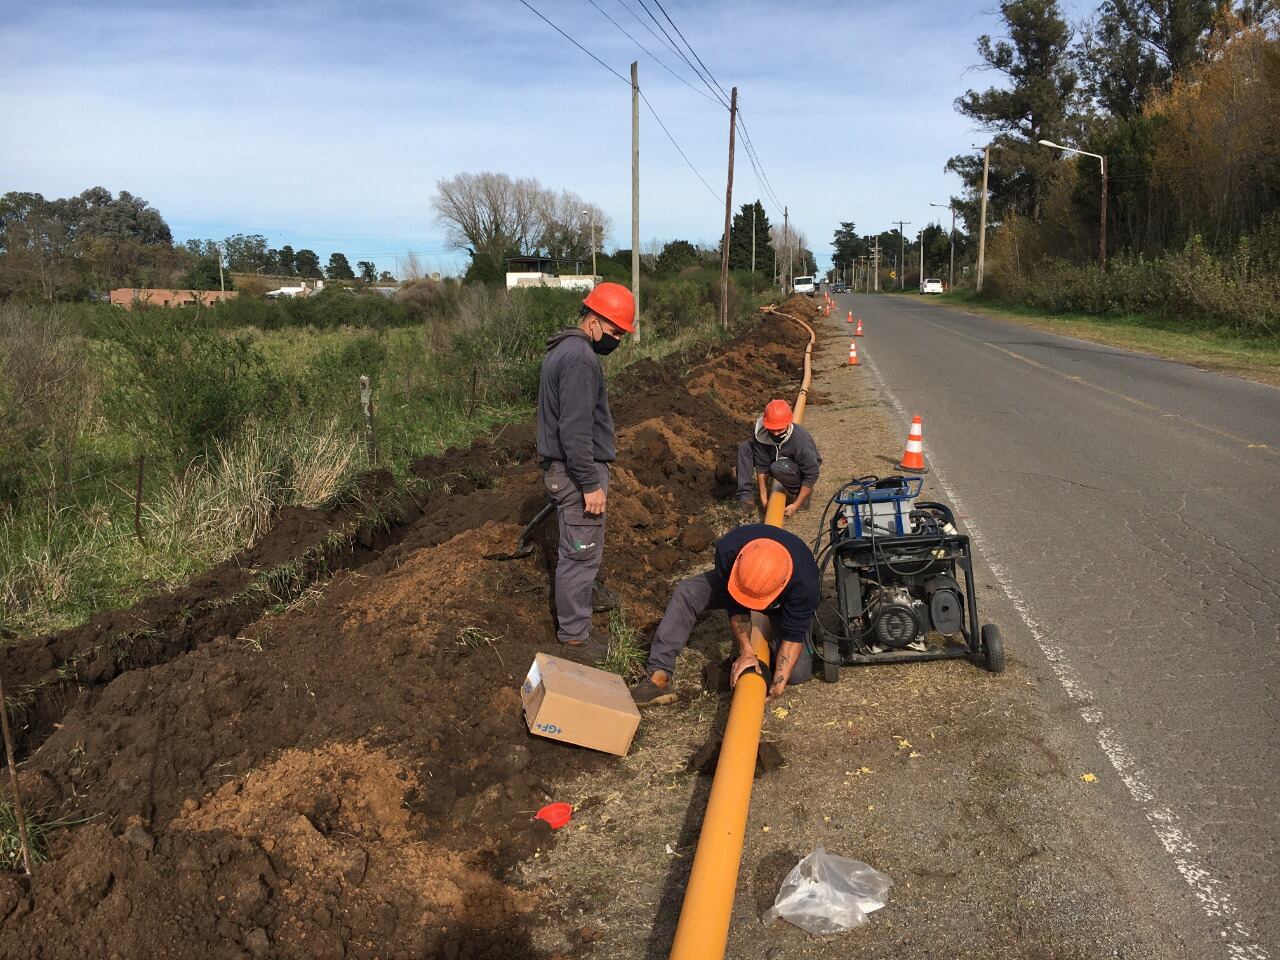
523, 548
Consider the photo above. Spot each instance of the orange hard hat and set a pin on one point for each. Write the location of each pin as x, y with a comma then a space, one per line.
614, 302
777, 415
760, 573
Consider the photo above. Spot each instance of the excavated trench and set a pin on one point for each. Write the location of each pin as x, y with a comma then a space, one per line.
316, 748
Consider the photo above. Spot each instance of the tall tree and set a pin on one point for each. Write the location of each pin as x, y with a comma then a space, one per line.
339, 268
368, 272
677, 255
1037, 103
740, 239
306, 264
285, 261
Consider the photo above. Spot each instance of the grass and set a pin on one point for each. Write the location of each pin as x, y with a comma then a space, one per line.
67, 541
1198, 344
627, 654
39, 833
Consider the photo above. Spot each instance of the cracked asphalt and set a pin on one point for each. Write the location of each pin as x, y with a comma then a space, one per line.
1128, 507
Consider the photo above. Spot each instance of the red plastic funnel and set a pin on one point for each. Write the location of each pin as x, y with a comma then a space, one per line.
556, 815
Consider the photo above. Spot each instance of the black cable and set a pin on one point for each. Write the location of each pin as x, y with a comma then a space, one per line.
651, 54
628, 83
686, 43
575, 43
723, 100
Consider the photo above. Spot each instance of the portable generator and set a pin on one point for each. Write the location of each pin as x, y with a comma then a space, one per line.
902, 587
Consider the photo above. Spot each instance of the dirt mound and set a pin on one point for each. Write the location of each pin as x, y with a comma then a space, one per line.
346, 772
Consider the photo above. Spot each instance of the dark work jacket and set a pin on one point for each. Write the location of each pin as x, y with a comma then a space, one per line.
793, 611
574, 423
799, 446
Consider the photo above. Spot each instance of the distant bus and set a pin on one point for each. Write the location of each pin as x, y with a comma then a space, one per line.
804, 285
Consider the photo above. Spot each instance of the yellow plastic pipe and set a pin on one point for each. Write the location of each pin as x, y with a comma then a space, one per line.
703, 929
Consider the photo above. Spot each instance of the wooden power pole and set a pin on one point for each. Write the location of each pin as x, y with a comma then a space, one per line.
786, 252
635, 193
982, 217
728, 214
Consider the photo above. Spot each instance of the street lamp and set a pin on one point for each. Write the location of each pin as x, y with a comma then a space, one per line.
950, 206
1102, 218
592, 216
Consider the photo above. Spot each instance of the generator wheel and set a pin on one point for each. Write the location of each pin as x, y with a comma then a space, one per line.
830, 661
993, 647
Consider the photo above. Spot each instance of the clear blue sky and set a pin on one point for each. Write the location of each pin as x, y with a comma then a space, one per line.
327, 125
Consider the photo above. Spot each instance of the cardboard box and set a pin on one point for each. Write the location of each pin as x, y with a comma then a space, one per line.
568, 701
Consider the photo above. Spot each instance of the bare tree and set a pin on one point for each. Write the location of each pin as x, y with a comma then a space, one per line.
492, 214
488, 213
409, 267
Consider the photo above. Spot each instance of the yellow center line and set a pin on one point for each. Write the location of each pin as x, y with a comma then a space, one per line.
1248, 444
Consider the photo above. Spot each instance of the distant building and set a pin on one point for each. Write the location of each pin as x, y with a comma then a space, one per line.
158, 297
303, 289
546, 272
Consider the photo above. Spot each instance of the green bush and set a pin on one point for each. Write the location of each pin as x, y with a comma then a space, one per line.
182, 385
1190, 287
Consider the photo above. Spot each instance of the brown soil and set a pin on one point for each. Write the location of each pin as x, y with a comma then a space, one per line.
316, 749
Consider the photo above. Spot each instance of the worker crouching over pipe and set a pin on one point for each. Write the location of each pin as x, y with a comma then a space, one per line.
778, 449
757, 568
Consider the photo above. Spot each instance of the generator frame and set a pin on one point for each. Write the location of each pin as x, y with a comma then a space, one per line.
881, 559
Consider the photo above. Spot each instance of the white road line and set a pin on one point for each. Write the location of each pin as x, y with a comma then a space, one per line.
1210, 892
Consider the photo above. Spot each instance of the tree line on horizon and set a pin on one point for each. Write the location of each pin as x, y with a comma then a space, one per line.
1181, 96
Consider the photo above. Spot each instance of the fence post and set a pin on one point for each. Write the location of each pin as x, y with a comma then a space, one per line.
18, 813
366, 402
137, 499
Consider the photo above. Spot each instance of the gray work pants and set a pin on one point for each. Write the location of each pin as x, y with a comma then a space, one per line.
748, 490
580, 551
693, 597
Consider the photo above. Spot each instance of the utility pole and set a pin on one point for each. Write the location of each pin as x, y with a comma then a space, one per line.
921, 259
786, 252
982, 217
753, 248
222, 283
877, 266
728, 214
1102, 223
902, 256
635, 193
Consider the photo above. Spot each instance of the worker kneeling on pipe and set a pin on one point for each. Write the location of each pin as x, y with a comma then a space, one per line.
782, 450
757, 567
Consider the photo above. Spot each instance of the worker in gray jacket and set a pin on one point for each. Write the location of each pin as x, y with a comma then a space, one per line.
576, 444
782, 450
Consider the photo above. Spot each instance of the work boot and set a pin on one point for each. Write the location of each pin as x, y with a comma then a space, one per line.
653, 690
602, 598
587, 650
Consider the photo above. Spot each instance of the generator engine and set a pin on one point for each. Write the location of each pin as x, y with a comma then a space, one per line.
903, 580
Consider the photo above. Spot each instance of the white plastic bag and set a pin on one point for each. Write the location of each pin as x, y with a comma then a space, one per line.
826, 894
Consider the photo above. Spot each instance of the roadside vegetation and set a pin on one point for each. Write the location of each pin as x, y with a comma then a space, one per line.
1183, 99
239, 409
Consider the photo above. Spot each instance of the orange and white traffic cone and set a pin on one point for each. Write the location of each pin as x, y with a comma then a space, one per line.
858, 331
849, 318
913, 455
853, 354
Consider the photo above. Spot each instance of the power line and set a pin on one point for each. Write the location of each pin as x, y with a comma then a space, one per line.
672, 44
658, 60
628, 83
640, 20
576, 43
715, 196
686, 43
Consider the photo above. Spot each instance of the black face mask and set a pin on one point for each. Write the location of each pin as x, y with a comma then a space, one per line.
778, 437
606, 344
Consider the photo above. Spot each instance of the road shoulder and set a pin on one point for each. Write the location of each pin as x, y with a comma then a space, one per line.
1260, 364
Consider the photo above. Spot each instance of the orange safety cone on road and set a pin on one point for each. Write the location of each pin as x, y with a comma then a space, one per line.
858, 331
913, 455
853, 354
849, 318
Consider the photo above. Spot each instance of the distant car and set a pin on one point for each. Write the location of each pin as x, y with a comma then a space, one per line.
931, 286
840, 288
804, 285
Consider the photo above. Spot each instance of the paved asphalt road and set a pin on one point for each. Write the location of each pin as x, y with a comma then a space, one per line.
1130, 508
